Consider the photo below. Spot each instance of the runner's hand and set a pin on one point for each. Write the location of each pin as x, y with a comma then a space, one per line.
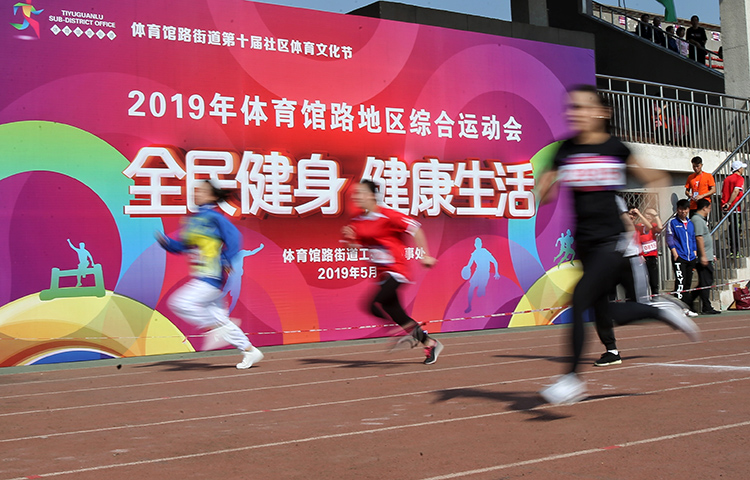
428, 261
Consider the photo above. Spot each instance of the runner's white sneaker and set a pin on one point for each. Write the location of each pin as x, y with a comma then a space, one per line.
672, 312
249, 358
567, 389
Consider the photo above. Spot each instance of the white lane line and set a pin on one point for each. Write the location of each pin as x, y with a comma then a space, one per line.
279, 356
395, 361
278, 409
337, 402
589, 451
391, 361
430, 424
162, 382
718, 368
321, 382
258, 388
538, 335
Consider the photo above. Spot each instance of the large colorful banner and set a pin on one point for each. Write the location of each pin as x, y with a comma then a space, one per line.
111, 112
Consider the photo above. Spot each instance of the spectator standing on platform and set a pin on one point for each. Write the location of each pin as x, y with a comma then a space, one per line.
644, 29
682, 44
706, 258
659, 37
699, 184
697, 38
731, 192
671, 41
648, 225
681, 242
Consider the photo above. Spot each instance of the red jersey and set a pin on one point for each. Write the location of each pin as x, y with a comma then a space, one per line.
732, 182
649, 247
383, 233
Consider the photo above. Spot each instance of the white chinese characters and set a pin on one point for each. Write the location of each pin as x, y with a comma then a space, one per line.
152, 31
254, 111
275, 184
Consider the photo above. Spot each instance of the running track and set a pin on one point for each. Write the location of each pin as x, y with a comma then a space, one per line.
673, 409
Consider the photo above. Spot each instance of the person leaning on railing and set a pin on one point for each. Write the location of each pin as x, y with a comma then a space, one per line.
697, 38
644, 29
682, 44
658, 34
671, 40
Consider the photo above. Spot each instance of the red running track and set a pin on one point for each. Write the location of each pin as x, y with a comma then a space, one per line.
673, 409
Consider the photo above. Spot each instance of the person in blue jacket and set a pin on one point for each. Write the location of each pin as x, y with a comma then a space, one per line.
681, 242
210, 241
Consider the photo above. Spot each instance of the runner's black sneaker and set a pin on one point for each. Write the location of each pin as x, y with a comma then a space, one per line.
432, 353
607, 359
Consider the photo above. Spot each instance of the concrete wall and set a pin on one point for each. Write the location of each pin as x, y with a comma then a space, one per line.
735, 15
676, 162
618, 53
472, 23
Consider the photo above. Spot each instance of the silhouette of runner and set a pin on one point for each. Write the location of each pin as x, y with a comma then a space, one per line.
478, 281
84, 257
233, 286
566, 248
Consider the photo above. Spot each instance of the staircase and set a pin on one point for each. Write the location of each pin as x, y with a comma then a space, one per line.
731, 266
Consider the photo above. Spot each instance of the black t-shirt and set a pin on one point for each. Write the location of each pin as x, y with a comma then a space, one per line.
594, 173
698, 34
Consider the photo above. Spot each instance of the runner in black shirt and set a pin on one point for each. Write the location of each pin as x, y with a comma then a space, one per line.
593, 165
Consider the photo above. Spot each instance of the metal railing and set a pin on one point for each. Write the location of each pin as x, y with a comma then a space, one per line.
622, 20
728, 229
730, 232
650, 113
661, 114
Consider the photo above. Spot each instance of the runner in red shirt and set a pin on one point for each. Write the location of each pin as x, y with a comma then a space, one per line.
383, 230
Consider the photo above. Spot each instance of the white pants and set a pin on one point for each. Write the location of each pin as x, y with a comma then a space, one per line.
203, 305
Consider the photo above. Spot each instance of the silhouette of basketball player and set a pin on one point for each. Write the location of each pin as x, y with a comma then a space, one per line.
481, 276
233, 286
85, 260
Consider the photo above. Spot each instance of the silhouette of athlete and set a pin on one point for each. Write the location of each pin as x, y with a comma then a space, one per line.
233, 285
566, 248
481, 276
85, 260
